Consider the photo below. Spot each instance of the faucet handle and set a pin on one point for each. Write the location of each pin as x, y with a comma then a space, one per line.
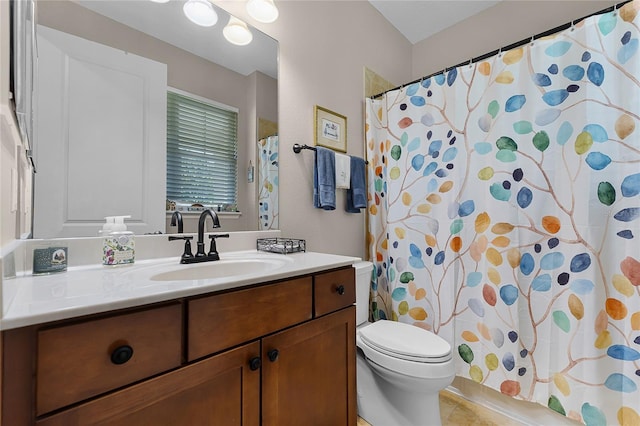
187, 254
183, 237
214, 236
213, 250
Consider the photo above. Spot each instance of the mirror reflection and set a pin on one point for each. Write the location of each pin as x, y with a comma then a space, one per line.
137, 113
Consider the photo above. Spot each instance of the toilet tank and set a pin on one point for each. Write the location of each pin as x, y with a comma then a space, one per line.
363, 286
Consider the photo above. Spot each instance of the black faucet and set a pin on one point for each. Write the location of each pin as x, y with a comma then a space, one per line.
200, 255
177, 215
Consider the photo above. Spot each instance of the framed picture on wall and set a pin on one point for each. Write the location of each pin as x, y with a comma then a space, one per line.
330, 129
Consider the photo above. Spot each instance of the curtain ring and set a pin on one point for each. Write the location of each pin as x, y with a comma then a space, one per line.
532, 38
573, 25
500, 53
470, 62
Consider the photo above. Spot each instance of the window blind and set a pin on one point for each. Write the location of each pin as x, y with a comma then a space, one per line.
201, 152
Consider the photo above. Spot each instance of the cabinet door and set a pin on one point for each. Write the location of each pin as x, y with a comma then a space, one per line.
221, 390
308, 373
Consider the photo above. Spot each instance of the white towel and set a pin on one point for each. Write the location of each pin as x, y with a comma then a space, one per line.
343, 171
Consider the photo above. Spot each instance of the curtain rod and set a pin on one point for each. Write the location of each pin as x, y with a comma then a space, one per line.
509, 47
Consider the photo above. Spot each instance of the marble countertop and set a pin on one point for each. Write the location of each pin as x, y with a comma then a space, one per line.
93, 289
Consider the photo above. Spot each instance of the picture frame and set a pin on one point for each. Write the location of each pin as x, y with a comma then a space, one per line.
330, 129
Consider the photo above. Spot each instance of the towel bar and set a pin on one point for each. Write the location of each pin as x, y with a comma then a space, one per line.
297, 148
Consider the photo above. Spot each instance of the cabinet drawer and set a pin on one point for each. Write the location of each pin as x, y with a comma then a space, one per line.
334, 290
78, 361
224, 320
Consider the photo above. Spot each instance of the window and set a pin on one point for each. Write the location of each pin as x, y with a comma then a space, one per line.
201, 151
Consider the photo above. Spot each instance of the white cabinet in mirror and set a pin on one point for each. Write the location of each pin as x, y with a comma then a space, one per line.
100, 133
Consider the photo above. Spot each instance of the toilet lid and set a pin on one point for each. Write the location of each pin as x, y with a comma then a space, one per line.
406, 341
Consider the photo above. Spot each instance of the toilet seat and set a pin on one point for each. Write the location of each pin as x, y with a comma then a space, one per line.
406, 342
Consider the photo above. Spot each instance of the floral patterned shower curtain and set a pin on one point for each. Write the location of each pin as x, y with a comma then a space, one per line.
504, 215
268, 159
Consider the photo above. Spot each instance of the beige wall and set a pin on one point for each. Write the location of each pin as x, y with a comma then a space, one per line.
324, 47
505, 23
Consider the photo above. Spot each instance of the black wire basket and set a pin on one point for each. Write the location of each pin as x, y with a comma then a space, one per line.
281, 245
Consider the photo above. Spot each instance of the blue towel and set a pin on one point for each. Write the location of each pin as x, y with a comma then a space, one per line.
357, 194
324, 179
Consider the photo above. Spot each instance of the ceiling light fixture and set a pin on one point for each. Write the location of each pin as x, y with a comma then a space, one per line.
200, 12
262, 10
237, 32
160, 1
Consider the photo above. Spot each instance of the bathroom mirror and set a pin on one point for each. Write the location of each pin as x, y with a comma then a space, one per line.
195, 60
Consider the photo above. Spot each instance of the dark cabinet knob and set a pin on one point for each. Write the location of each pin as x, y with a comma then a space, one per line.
255, 363
340, 289
121, 354
273, 355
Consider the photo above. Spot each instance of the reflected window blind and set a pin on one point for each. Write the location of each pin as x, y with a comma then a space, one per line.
201, 151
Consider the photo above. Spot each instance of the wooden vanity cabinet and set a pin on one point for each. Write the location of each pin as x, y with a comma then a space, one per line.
275, 354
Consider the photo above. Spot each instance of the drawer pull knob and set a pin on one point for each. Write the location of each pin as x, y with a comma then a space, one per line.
273, 355
121, 354
255, 363
340, 289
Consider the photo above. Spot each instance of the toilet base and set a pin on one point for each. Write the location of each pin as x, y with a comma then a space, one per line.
383, 403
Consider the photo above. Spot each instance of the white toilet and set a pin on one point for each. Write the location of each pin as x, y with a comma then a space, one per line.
401, 368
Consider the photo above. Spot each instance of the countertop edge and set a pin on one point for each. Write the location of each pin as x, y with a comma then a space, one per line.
17, 318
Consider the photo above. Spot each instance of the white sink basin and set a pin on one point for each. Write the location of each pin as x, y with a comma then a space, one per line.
220, 269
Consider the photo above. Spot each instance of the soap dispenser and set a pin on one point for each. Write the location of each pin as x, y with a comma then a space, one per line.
118, 244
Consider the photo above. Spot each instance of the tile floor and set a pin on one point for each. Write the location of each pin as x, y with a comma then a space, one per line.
457, 411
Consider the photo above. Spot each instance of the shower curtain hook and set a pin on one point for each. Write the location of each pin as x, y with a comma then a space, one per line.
573, 25
470, 62
532, 39
500, 53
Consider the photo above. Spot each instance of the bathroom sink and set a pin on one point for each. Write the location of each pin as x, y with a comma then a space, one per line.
220, 269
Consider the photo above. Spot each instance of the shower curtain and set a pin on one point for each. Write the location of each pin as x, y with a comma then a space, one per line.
268, 180
504, 215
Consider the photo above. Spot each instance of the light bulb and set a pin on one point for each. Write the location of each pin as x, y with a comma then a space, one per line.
200, 12
262, 10
236, 32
